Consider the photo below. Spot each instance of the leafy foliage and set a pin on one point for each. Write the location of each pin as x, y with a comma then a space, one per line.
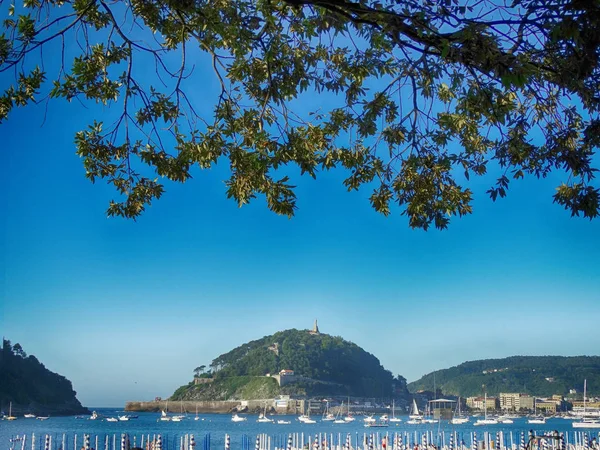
411, 95
326, 365
230, 388
525, 374
26, 382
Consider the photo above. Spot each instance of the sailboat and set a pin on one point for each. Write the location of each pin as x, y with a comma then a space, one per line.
262, 417
394, 418
536, 419
485, 420
338, 418
327, 416
349, 417
305, 418
196, 418
236, 418
415, 417
163, 414
586, 422
10, 416
180, 417
458, 418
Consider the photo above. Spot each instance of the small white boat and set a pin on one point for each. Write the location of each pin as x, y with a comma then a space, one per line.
94, 416
309, 420
537, 420
112, 419
43, 418
485, 420
415, 421
236, 418
264, 419
164, 417
123, 418
29, 416
176, 419
394, 418
339, 421
369, 419
505, 420
327, 416
284, 422
10, 416
414, 412
458, 418
586, 422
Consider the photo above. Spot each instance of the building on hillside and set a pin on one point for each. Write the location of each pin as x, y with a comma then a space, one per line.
509, 401
525, 402
478, 403
286, 376
557, 398
548, 407
588, 404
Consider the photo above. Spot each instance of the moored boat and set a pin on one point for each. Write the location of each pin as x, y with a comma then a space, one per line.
586, 422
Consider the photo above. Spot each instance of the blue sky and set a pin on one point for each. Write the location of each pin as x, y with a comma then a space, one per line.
126, 309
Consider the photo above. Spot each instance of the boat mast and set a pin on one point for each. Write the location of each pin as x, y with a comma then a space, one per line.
584, 393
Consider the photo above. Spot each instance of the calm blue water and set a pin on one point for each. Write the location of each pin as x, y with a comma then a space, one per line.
218, 425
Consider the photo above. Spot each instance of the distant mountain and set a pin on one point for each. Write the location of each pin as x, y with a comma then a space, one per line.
31, 387
322, 365
536, 375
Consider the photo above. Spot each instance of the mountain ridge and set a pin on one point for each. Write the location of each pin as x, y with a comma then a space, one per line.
535, 375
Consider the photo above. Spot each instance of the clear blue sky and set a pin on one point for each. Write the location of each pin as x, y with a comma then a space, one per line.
126, 310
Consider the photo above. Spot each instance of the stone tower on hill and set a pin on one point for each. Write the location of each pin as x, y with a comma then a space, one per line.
315, 329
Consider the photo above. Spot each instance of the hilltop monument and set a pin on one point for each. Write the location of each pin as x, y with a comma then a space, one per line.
315, 329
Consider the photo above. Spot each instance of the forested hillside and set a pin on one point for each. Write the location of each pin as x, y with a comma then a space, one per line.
328, 365
536, 375
31, 387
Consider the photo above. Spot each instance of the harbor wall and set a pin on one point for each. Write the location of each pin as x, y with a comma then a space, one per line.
218, 407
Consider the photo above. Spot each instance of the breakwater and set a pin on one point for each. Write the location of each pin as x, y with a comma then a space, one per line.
218, 407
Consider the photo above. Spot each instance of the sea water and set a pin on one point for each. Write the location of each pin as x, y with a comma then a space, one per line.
215, 426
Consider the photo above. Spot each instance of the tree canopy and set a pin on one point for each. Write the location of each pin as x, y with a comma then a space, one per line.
345, 367
535, 375
410, 98
31, 386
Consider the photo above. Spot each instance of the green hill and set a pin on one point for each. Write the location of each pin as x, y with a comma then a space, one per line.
535, 375
31, 387
323, 365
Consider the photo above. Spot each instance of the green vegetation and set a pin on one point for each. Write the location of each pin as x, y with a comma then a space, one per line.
31, 387
324, 365
415, 98
535, 375
231, 388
